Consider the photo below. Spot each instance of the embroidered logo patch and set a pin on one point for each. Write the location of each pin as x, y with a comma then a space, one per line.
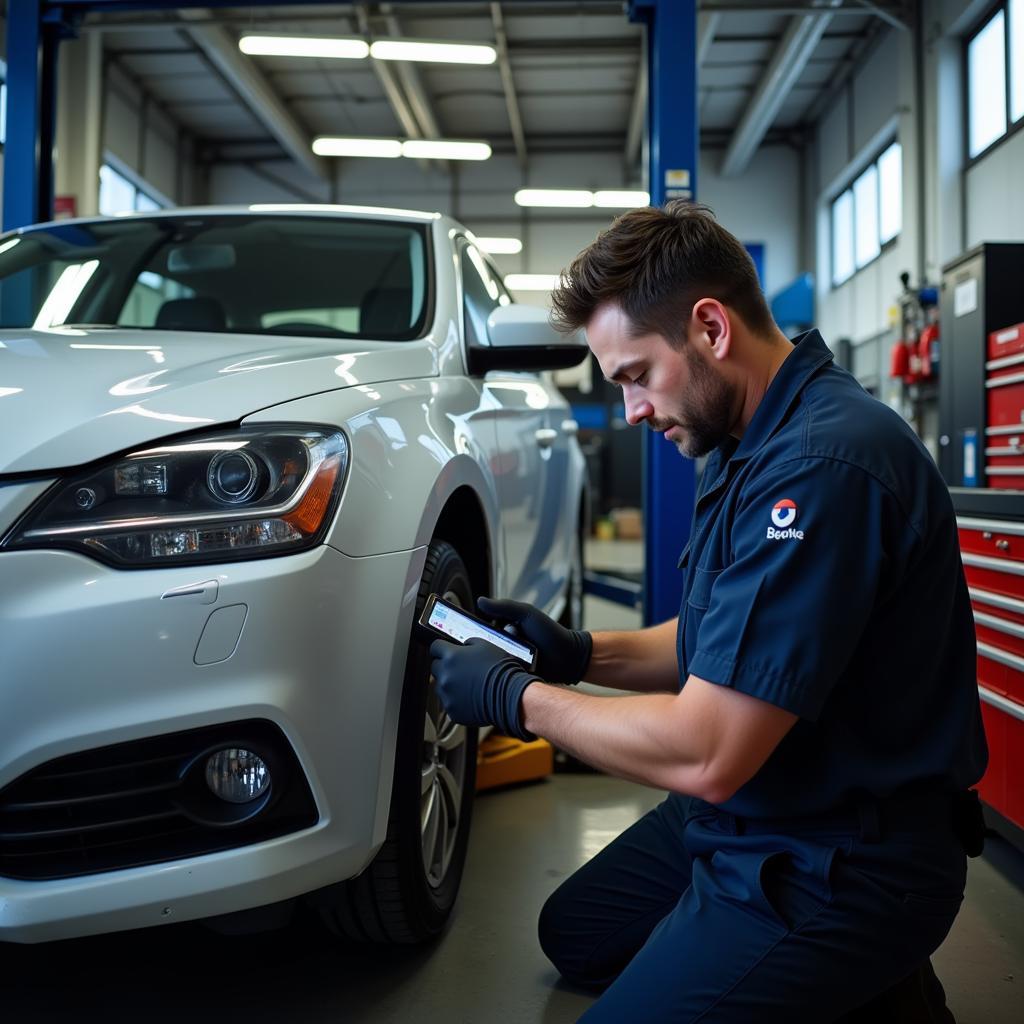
784, 515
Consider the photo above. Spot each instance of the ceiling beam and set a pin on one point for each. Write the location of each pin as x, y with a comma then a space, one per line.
707, 22
388, 78
637, 115
239, 71
508, 84
787, 64
409, 75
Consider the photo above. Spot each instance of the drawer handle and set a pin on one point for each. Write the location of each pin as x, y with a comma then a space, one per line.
987, 535
1003, 545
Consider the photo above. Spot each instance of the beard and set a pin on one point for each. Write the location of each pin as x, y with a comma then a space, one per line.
705, 412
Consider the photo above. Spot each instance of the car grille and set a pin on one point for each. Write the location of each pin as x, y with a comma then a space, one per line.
144, 802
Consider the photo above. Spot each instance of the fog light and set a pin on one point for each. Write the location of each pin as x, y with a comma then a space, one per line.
236, 775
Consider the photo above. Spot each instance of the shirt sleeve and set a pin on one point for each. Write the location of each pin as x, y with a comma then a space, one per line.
786, 614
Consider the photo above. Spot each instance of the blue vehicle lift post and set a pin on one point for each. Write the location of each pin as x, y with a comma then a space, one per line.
669, 482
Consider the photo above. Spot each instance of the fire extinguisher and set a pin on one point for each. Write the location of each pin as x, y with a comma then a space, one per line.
899, 359
928, 351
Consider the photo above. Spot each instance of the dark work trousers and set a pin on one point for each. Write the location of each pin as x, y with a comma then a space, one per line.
694, 915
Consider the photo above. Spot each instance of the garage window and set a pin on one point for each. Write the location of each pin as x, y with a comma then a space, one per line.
995, 78
118, 194
867, 215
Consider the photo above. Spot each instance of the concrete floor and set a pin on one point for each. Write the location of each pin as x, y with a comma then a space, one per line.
487, 968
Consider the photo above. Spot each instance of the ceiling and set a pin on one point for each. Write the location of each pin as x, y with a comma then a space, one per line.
568, 76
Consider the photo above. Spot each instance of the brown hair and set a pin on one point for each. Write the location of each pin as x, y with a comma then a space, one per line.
655, 264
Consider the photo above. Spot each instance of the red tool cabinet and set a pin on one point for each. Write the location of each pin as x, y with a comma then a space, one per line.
992, 548
981, 456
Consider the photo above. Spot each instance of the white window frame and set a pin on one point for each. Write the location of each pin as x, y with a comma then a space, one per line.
1012, 12
858, 261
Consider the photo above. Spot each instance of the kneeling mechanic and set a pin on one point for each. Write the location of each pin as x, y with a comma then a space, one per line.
812, 712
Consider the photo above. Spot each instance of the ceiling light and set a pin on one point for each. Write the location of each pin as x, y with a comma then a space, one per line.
621, 199
554, 197
333, 146
303, 46
429, 149
500, 246
435, 52
531, 282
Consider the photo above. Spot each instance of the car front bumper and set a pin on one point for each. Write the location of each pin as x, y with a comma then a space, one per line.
93, 656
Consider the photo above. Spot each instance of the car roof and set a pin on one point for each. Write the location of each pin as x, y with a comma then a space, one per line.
267, 209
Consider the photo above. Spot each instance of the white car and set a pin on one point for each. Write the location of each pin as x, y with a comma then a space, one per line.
238, 449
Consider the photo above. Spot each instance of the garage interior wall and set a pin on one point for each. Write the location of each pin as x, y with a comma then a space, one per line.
947, 206
104, 116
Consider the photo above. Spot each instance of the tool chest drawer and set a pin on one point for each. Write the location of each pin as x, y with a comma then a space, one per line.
992, 539
1004, 468
1004, 399
1000, 670
1002, 786
1007, 342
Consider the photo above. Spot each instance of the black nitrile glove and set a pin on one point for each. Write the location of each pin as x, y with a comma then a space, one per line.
479, 684
562, 654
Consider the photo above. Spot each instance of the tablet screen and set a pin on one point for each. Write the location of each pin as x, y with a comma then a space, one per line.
461, 627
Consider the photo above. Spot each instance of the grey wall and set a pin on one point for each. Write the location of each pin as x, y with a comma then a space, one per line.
947, 207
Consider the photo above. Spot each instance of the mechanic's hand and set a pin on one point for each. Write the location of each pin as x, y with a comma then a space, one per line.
562, 654
479, 684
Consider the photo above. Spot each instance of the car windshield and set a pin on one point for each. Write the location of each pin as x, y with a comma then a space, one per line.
326, 277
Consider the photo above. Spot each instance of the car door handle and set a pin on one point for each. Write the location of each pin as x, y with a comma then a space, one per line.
570, 427
546, 437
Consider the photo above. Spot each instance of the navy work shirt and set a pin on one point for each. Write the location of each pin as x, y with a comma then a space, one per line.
823, 575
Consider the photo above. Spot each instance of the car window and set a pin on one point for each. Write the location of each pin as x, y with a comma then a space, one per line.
320, 276
482, 292
149, 292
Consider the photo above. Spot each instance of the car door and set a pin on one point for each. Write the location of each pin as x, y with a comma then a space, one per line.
530, 462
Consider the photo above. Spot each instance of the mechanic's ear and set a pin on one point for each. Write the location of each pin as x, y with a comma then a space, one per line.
710, 323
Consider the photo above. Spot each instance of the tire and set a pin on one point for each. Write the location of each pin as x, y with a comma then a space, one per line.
407, 893
572, 614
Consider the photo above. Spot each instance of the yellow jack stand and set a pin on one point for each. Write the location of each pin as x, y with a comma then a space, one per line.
501, 760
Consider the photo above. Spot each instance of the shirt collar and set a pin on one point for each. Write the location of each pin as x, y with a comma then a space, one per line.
809, 354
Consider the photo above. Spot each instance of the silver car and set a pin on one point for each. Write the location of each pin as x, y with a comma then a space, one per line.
238, 450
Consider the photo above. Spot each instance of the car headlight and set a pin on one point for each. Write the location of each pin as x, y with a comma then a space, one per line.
221, 497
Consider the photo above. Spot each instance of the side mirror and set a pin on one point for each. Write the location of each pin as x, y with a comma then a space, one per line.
522, 338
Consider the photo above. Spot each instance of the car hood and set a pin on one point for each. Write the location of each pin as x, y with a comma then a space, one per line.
71, 395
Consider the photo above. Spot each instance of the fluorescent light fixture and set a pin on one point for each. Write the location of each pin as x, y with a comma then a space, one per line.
304, 46
581, 199
332, 146
440, 149
500, 246
531, 282
621, 199
433, 52
563, 197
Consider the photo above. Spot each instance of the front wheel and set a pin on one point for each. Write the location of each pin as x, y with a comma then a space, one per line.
407, 893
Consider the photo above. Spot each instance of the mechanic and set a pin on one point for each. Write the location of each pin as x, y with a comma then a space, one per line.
810, 854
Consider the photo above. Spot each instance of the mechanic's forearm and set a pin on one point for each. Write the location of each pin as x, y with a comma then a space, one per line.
641, 738
641, 660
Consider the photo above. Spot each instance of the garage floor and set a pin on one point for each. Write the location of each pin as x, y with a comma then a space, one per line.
487, 968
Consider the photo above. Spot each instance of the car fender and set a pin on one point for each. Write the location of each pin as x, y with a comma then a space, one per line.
412, 444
